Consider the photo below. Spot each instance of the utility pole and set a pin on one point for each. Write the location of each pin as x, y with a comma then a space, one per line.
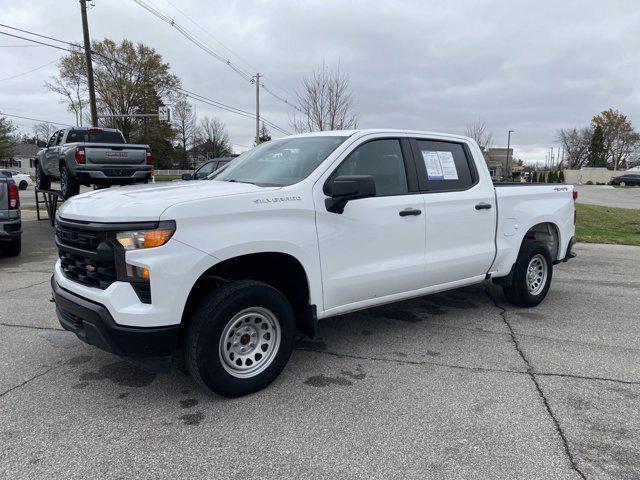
87, 53
257, 109
508, 147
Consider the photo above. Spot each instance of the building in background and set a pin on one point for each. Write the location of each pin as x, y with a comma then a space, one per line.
496, 159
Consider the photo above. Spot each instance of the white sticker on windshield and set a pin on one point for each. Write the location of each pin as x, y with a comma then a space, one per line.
432, 162
448, 166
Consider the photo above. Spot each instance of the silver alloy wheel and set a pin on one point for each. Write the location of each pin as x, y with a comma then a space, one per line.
537, 274
249, 342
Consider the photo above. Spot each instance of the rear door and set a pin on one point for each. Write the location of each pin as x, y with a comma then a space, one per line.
460, 211
375, 248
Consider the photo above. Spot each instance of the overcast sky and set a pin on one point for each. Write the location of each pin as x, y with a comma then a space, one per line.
532, 67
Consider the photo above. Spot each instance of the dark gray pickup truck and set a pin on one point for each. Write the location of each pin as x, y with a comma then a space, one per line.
10, 222
91, 156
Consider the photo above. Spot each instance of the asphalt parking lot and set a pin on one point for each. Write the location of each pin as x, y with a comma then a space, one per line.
456, 385
608, 196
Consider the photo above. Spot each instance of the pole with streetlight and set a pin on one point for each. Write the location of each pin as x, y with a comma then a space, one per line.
508, 149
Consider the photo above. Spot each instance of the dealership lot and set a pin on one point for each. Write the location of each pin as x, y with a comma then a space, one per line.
456, 385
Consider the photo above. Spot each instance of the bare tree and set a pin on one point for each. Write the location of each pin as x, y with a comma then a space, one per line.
575, 143
213, 139
43, 131
184, 122
325, 102
478, 131
621, 140
71, 84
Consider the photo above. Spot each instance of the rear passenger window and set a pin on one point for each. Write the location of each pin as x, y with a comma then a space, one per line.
444, 165
382, 159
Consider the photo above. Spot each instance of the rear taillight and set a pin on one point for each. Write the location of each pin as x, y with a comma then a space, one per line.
575, 195
80, 156
150, 161
575, 212
14, 197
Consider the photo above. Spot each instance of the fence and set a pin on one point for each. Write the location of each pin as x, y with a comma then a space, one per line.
174, 173
581, 177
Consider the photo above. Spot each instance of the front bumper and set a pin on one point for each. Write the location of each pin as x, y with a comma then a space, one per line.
93, 324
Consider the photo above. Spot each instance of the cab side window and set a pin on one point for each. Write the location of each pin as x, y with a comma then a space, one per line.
52, 140
383, 160
204, 171
444, 166
59, 139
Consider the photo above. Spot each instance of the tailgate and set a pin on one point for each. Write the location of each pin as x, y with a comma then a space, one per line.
114, 154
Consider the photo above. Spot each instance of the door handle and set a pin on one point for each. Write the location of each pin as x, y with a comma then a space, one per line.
483, 206
410, 211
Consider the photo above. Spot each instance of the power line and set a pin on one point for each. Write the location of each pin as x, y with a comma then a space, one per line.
165, 18
200, 27
39, 42
34, 34
192, 95
29, 71
32, 119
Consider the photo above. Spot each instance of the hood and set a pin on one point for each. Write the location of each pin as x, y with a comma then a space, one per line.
146, 202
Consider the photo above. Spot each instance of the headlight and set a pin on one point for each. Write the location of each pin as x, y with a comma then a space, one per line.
137, 239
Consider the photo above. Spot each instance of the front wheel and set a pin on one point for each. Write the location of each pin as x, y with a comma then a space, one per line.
43, 182
23, 185
623, 184
240, 338
69, 185
532, 274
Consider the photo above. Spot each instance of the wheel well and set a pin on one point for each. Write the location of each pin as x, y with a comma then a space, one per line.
546, 233
280, 270
61, 163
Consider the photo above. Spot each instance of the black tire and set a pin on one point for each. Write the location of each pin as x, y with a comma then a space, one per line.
69, 185
23, 185
42, 181
518, 292
210, 319
12, 248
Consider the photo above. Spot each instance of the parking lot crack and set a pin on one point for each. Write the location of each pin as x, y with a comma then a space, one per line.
587, 377
29, 380
410, 362
532, 375
32, 327
26, 286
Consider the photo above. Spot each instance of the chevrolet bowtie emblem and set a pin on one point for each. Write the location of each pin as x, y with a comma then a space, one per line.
91, 268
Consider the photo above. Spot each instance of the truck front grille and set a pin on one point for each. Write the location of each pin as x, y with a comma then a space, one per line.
85, 256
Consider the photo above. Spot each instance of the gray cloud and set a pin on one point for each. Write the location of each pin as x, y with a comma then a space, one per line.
532, 67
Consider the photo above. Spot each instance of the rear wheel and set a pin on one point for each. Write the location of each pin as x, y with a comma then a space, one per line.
12, 248
43, 182
623, 184
69, 186
240, 338
532, 274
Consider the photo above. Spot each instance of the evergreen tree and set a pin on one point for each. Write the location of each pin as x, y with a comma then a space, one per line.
6, 137
534, 177
561, 176
597, 156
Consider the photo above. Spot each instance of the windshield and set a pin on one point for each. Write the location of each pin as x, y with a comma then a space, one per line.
279, 162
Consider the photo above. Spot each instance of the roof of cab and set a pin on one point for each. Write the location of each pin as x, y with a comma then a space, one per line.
369, 131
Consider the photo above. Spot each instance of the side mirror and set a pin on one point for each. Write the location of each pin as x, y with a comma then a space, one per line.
348, 187
187, 176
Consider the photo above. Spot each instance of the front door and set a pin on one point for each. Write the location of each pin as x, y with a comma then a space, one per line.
376, 246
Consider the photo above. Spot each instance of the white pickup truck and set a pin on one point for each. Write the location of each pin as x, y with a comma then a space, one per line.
227, 270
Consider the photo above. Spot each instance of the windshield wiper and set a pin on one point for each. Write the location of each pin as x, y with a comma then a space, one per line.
239, 181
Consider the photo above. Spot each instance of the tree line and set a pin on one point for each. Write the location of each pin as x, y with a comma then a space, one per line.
133, 79
609, 141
